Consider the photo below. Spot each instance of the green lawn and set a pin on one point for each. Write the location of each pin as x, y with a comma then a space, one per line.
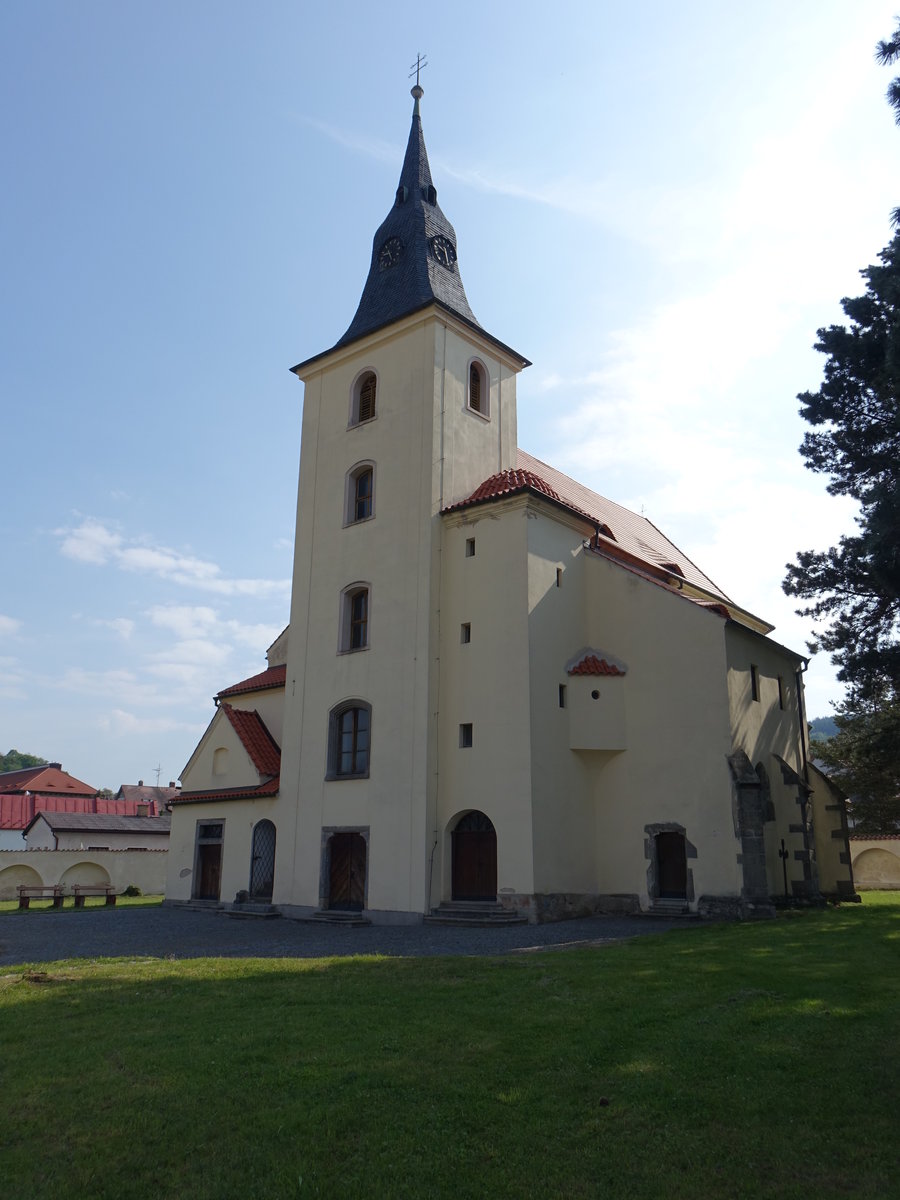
717, 1061
89, 902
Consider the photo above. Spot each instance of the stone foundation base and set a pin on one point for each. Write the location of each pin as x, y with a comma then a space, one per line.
735, 908
544, 907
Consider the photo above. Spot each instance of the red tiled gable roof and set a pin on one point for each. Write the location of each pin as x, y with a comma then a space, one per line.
269, 788
255, 738
48, 778
16, 810
509, 483
590, 664
272, 677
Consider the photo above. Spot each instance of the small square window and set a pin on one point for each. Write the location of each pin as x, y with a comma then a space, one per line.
470, 547
754, 681
465, 736
562, 695
465, 633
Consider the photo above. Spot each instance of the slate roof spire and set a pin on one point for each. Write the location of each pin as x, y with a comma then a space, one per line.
414, 255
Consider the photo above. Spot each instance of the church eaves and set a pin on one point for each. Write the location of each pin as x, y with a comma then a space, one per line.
414, 260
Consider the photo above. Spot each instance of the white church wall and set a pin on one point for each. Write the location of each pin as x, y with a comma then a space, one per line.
675, 769
484, 684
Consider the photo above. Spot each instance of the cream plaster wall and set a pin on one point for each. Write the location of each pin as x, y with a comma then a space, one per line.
239, 818
876, 863
145, 869
204, 771
427, 450
485, 683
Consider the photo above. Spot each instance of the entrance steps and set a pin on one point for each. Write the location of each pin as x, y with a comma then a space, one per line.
338, 916
474, 913
251, 911
665, 906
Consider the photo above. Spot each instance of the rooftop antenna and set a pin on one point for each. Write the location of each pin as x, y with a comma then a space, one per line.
419, 65
158, 771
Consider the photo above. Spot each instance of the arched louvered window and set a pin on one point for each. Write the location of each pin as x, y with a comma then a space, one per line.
478, 398
362, 407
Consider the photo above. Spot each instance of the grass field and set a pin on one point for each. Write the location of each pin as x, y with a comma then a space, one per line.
713, 1062
89, 902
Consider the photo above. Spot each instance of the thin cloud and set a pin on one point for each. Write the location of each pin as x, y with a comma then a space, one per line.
9, 625
96, 544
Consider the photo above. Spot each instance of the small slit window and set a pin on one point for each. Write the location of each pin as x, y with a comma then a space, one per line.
362, 407
780, 692
360, 494
479, 389
754, 681
465, 633
470, 547
559, 576
562, 695
465, 736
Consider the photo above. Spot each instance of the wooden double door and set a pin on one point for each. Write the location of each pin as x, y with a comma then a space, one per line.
347, 872
474, 854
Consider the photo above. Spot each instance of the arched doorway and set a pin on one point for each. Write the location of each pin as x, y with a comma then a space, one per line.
347, 872
474, 858
262, 861
671, 866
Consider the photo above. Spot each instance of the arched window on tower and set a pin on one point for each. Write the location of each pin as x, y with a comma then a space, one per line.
349, 727
362, 406
360, 498
354, 634
479, 395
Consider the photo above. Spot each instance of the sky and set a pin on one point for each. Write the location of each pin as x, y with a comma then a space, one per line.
657, 204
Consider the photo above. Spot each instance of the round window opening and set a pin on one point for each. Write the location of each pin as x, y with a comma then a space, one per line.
595, 695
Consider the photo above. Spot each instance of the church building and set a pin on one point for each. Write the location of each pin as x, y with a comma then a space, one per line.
500, 694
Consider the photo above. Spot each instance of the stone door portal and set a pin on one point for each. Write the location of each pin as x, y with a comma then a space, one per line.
347, 873
208, 875
671, 866
474, 852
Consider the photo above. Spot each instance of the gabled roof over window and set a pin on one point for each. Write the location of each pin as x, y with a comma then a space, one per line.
591, 663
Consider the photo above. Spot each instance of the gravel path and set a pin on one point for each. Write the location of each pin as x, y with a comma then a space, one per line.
185, 933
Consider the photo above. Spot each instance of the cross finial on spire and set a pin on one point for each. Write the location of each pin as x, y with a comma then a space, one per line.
416, 90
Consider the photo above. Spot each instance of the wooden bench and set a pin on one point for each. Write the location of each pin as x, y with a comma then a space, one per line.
83, 890
28, 892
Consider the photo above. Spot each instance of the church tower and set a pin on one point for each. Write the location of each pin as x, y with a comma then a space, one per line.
404, 416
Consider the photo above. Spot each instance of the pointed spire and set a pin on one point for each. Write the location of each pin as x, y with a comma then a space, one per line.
414, 254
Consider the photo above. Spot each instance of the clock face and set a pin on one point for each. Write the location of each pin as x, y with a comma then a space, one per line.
390, 253
443, 250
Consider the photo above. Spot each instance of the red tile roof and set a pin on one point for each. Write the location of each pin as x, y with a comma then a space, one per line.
590, 664
16, 810
255, 738
242, 793
48, 778
631, 534
272, 677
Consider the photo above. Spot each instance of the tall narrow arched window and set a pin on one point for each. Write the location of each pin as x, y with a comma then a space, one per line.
479, 396
349, 727
362, 401
360, 497
354, 633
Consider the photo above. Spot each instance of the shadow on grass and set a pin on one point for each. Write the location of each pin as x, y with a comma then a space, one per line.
722, 1060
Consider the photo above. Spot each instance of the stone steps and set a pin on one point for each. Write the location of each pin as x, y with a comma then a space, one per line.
475, 913
338, 916
664, 906
251, 912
